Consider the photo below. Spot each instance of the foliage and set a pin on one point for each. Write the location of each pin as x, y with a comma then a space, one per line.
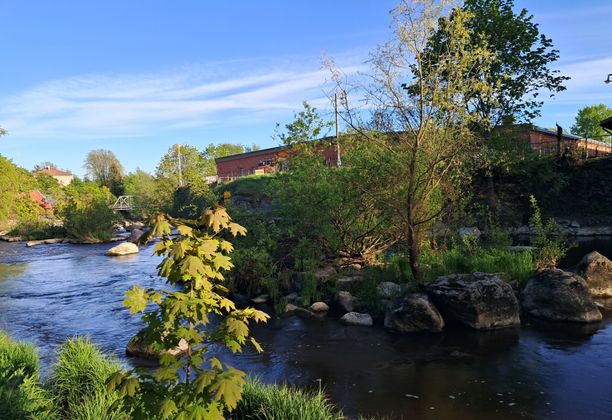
145, 192
13, 181
588, 119
190, 202
273, 402
78, 382
182, 165
518, 70
21, 394
104, 168
195, 386
310, 291
307, 125
213, 151
420, 98
550, 243
50, 187
87, 213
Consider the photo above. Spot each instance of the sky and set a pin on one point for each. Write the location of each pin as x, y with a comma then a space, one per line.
136, 77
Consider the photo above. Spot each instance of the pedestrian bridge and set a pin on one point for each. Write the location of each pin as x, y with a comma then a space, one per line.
123, 203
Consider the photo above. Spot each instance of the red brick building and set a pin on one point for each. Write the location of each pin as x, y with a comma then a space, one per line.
262, 161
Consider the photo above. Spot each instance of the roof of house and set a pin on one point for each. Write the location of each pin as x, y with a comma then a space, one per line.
554, 133
253, 153
53, 172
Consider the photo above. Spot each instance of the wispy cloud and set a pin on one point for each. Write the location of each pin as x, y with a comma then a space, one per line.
586, 84
100, 106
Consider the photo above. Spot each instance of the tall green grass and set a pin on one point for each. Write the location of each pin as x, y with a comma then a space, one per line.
78, 381
282, 402
21, 394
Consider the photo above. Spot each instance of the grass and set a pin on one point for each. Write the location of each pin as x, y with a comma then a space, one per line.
79, 377
282, 402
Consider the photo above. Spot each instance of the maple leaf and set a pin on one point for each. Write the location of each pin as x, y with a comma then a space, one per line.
184, 230
136, 299
236, 229
167, 408
226, 246
222, 261
228, 387
192, 265
208, 248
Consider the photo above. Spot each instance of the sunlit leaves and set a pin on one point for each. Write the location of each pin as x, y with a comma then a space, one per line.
136, 299
193, 261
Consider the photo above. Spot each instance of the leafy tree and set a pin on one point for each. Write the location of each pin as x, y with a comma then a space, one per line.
87, 213
425, 109
588, 119
44, 165
307, 125
104, 168
198, 385
213, 151
518, 70
182, 165
14, 182
145, 190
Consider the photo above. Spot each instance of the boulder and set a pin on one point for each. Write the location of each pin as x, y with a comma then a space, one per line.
471, 231
324, 274
260, 299
389, 290
481, 301
125, 248
139, 347
346, 283
345, 301
291, 297
303, 313
290, 309
319, 307
596, 270
136, 235
413, 313
358, 319
558, 295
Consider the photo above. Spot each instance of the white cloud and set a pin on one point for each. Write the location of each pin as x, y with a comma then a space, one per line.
101, 106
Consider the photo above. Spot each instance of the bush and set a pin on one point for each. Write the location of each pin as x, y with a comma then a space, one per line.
78, 381
21, 395
273, 402
550, 243
87, 214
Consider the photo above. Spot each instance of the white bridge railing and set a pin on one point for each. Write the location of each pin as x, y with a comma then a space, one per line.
124, 202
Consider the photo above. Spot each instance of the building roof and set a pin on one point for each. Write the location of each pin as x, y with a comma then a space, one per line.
53, 172
253, 153
554, 133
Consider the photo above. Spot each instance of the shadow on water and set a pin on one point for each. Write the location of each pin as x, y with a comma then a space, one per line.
535, 372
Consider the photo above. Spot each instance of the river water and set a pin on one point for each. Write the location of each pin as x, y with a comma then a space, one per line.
538, 371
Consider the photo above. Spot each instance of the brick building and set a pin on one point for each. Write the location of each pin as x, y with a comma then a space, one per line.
262, 161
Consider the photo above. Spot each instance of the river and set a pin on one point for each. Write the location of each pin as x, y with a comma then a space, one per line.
542, 371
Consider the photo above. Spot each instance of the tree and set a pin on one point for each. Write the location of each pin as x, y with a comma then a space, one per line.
144, 189
213, 151
104, 168
307, 125
44, 165
587, 121
519, 69
197, 386
428, 138
182, 165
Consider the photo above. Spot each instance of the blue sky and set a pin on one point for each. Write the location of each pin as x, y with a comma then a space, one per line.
136, 77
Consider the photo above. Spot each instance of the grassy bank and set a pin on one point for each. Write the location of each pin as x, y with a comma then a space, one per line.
76, 389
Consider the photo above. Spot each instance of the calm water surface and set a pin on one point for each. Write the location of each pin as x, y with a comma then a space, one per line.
538, 371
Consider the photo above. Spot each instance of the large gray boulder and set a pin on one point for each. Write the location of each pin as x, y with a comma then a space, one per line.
358, 319
481, 301
558, 295
136, 235
125, 248
413, 313
596, 270
345, 301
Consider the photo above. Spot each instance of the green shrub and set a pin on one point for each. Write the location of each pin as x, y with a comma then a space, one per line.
310, 291
550, 243
34, 229
21, 395
274, 402
87, 213
78, 381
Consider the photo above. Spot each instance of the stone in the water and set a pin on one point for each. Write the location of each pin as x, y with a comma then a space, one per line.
558, 295
303, 313
479, 300
290, 309
358, 319
345, 301
389, 290
596, 270
260, 299
318, 307
138, 347
346, 283
136, 235
413, 313
125, 248
291, 297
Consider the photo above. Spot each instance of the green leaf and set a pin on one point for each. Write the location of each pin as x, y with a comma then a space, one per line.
208, 248
222, 262
192, 265
256, 345
184, 230
136, 299
236, 229
228, 387
167, 408
129, 387
215, 363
